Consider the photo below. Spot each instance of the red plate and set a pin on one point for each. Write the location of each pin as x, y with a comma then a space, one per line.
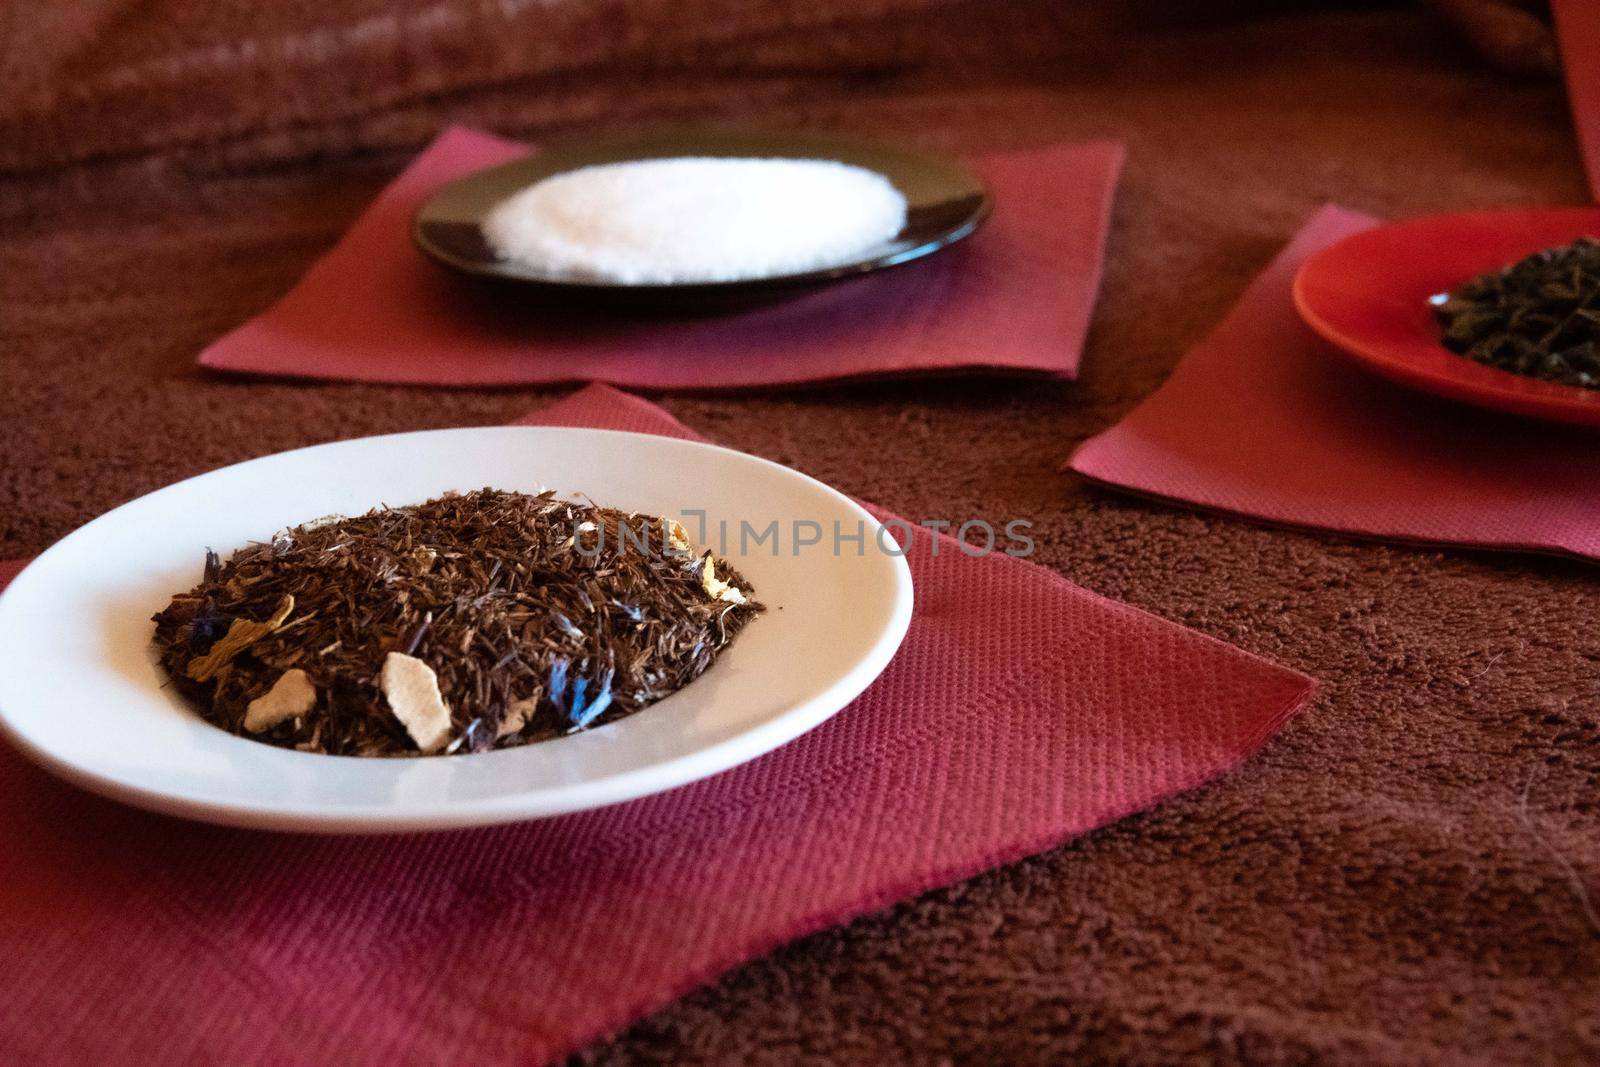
1368, 295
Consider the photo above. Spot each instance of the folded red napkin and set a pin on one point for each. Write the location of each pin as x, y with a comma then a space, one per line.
1020, 711
1262, 419
1015, 297
1578, 34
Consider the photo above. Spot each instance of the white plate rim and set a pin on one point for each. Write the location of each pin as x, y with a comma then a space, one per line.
699, 764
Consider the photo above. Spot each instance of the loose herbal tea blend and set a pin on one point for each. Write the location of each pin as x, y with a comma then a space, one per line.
1538, 317
474, 621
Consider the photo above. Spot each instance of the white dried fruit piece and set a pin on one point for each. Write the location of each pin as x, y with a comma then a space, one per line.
677, 536
715, 587
517, 716
291, 695
412, 690
583, 528
241, 635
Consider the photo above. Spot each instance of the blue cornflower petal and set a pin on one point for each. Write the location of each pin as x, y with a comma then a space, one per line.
568, 627
592, 712
579, 688
558, 684
602, 701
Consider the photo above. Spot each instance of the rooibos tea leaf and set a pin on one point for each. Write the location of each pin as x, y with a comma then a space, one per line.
474, 621
1539, 317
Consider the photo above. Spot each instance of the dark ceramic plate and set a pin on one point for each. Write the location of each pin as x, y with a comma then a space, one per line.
944, 203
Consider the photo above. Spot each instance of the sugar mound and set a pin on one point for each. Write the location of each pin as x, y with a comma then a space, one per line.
695, 219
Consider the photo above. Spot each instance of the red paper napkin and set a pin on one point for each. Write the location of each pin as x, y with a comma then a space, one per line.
1015, 297
1578, 34
1020, 711
1263, 419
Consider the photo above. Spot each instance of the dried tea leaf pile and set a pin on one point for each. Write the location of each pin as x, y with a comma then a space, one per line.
470, 622
1539, 317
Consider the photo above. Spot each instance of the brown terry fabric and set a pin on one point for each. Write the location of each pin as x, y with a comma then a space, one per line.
250, 82
1514, 35
1408, 875
273, 81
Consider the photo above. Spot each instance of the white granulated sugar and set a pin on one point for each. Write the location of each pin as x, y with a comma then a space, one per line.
694, 219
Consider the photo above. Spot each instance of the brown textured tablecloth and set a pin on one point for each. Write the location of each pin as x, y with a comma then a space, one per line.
1410, 874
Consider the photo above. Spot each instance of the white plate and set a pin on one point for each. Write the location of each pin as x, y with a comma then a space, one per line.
81, 694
